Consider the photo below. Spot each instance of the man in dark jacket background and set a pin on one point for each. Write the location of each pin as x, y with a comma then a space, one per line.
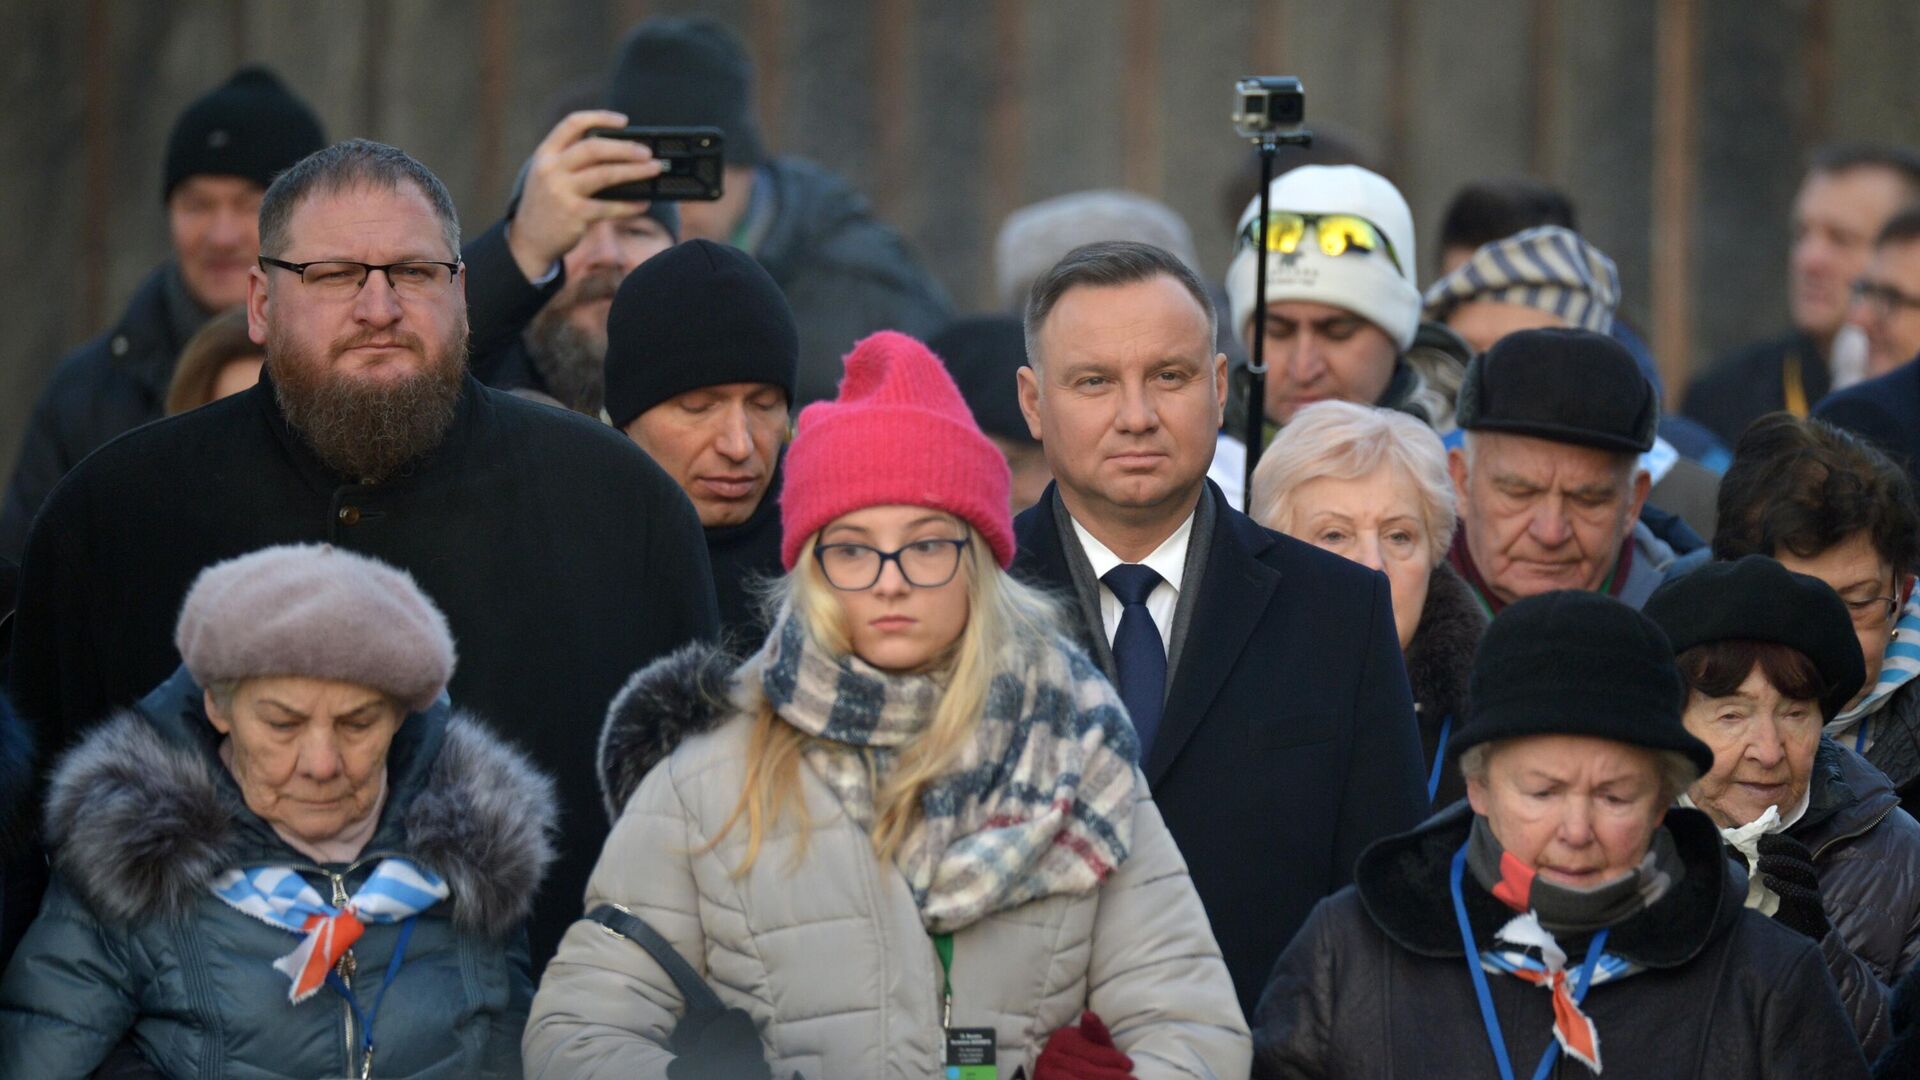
1263, 675
1885, 409
367, 432
223, 151
1848, 194
701, 355
845, 273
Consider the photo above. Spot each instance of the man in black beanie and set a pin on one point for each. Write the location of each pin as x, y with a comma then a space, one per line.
224, 150
701, 355
844, 274
1549, 478
984, 354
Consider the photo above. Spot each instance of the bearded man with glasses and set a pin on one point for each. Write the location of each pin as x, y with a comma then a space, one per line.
1343, 312
1827, 504
560, 553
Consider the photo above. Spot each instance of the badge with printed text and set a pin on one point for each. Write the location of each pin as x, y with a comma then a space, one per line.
970, 1054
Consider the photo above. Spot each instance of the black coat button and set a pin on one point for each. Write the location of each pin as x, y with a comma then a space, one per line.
349, 515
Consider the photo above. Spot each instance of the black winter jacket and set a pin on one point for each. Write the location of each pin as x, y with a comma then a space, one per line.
745, 557
1375, 985
1439, 660
844, 272
562, 556
1867, 851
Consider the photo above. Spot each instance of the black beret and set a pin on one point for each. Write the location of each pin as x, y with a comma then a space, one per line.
251, 126
1577, 663
697, 314
1756, 599
984, 355
680, 72
1571, 386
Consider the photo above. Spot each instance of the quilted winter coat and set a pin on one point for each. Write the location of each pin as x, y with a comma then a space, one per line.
827, 953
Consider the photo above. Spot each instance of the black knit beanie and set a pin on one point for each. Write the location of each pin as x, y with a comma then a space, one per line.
1577, 663
697, 314
1571, 386
251, 126
1757, 599
984, 355
688, 72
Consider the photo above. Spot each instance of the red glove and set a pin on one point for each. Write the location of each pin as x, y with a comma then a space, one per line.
1082, 1053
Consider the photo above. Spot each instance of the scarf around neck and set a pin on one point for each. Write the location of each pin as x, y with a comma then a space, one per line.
1563, 909
1039, 802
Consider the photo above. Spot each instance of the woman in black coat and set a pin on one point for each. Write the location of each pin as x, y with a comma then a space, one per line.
1565, 921
1371, 484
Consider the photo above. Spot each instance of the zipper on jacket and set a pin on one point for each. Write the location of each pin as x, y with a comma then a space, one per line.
344, 968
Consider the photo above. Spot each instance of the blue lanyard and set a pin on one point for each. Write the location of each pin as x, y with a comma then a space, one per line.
1492, 1022
1439, 759
365, 1016
1860, 740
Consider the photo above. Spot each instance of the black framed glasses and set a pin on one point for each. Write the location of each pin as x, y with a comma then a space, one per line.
1883, 299
415, 279
926, 564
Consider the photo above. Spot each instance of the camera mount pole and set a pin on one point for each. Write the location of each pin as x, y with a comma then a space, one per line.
1256, 359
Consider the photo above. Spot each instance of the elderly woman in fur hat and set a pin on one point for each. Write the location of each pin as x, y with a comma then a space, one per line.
1371, 484
1565, 919
911, 828
292, 858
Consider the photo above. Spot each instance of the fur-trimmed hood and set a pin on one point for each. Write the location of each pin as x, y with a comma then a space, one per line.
142, 817
1440, 656
680, 695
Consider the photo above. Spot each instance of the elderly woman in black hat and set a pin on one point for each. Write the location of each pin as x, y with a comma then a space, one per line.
293, 858
1769, 656
1566, 910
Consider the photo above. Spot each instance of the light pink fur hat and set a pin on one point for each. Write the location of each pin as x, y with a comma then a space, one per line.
317, 611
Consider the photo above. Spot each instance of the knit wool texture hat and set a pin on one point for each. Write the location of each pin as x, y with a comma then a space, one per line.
1570, 386
1754, 598
899, 433
251, 126
317, 611
688, 72
984, 354
1036, 237
1365, 283
1550, 269
697, 314
1577, 663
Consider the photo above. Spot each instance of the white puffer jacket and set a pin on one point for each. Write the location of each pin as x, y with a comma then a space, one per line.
826, 951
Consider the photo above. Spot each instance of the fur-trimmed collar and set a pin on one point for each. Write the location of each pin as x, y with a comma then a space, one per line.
1402, 881
142, 817
680, 695
1440, 656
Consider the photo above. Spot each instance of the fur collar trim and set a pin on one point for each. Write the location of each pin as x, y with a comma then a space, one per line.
142, 824
1440, 656
685, 693
1402, 882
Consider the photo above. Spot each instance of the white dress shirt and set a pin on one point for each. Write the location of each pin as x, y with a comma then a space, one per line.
1169, 560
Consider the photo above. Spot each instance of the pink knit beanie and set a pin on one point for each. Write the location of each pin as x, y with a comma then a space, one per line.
317, 611
899, 433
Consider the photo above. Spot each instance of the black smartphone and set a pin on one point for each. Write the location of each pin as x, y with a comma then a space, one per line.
692, 157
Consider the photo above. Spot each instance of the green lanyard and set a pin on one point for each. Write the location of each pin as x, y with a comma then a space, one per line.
943, 945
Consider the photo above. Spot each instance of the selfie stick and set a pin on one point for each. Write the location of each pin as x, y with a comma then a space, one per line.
1257, 356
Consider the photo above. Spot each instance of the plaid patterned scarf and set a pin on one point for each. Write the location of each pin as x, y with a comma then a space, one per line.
1040, 803
279, 896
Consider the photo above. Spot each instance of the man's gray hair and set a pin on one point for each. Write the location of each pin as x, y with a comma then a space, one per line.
355, 163
1110, 263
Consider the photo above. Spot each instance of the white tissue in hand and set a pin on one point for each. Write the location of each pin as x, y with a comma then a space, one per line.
1746, 840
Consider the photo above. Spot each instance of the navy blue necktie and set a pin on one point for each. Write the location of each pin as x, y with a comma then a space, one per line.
1138, 653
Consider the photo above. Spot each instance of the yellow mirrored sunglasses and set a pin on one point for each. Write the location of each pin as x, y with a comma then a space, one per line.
1338, 234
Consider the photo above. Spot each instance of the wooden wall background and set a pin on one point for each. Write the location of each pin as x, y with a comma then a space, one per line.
1679, 126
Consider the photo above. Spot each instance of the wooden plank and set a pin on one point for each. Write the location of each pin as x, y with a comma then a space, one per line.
97, 139
892, 64
1142, 142
1543, 61
1006, 113
491, 173
1676, 60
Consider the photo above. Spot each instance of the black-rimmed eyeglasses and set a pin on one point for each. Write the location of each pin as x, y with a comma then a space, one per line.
926, 564
416, 279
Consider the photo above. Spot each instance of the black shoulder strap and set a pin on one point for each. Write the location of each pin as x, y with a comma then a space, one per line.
622, 923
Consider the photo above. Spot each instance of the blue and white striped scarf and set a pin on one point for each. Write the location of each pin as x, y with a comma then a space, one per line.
1898, 665
278, 896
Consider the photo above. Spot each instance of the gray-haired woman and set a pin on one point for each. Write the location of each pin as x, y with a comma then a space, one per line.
292, 858
1371, 484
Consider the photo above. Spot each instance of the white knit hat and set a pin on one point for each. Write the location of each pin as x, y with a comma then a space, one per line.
1365, 283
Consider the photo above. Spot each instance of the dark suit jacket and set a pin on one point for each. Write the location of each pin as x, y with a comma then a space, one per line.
1288, 743
1885, 411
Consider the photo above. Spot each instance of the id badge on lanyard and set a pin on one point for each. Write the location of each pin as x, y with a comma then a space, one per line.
969, 1051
